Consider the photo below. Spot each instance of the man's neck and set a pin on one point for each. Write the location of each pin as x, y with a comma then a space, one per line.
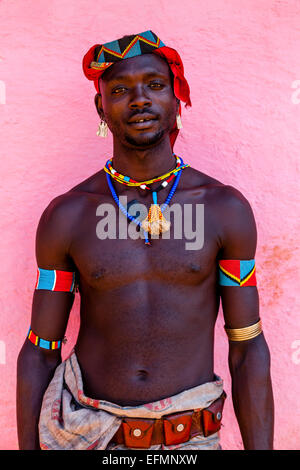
143, 164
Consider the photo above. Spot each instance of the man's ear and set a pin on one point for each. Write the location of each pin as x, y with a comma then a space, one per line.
98, 104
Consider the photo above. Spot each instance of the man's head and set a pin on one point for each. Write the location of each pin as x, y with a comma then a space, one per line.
138, 76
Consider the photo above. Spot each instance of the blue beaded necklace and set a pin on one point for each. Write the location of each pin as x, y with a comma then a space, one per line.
154, 196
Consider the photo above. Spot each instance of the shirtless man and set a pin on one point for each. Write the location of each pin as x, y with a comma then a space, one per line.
147, 313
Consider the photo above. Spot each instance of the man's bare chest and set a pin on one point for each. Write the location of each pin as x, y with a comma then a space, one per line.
109, 250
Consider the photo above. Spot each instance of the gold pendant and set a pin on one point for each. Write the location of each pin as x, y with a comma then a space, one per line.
155, 223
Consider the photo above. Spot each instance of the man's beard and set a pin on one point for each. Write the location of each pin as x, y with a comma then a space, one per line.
145, 141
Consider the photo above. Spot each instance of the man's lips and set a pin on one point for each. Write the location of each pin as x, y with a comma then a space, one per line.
142, 118
142, 121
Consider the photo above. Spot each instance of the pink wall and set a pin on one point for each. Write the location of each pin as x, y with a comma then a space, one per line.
242, 61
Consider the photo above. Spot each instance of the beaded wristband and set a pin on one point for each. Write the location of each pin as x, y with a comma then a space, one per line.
243, 334
239, 273
43, 343
55, 280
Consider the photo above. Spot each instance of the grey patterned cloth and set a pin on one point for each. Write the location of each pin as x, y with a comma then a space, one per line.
70, 420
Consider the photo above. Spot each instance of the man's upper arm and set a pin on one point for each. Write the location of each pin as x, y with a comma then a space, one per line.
239, 237
50, 309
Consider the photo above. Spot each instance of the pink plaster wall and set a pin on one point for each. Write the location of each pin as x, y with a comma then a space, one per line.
242, 61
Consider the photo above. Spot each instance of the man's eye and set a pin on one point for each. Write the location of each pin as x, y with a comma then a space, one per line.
118, 90
156, 85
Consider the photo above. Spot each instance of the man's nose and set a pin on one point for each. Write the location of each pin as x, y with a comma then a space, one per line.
139, 98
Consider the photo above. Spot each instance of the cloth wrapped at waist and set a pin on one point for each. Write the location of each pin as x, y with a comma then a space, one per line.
71, 420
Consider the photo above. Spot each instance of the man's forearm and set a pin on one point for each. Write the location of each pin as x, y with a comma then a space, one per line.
252, 393
34, 373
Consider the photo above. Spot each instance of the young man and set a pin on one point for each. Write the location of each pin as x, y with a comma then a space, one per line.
142, 372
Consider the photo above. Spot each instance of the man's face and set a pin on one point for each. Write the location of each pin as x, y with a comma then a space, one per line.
137, 100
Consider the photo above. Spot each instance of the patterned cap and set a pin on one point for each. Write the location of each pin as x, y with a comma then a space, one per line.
125, 48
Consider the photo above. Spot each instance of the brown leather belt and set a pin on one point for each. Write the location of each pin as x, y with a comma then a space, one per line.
170, 429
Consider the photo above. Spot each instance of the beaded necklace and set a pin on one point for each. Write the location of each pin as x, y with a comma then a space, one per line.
127, 181
155, 222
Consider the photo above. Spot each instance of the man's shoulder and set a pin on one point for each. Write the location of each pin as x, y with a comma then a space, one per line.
230, 197
94, 184
231, 211
231, 204
63, 205
235, 219
199, 179
224, 194
75, 199
226, 204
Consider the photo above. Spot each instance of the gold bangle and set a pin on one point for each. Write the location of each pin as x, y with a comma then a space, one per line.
243, 334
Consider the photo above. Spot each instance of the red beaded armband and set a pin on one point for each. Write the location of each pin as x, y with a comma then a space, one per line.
234, 272
55, 280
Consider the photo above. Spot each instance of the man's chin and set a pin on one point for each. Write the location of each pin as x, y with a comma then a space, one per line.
144, 140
